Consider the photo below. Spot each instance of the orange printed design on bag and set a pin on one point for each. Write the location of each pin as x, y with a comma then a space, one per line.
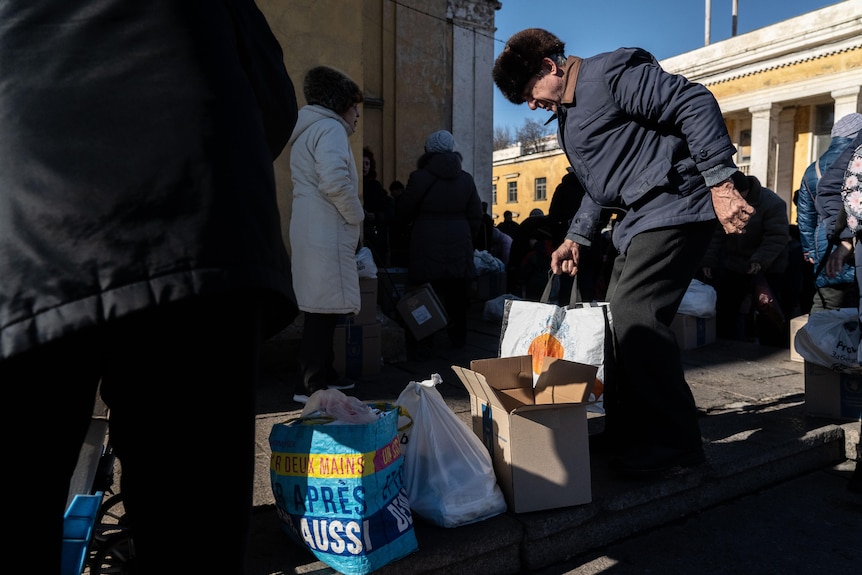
545, 345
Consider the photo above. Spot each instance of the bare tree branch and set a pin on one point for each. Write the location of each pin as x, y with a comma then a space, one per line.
531, 135
502, 137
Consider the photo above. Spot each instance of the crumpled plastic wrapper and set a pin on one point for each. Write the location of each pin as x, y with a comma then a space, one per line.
343, 408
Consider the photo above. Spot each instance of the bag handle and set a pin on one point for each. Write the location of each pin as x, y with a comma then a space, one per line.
574, 297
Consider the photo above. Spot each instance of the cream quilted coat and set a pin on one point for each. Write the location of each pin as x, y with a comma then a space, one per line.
327, 213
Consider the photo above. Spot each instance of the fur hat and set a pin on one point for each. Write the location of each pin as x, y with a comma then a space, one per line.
521, 59
331, 89
848, 126
440, 141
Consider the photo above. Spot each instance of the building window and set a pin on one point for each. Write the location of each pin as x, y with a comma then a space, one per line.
744, 146
512, 191
494, 195
541, 192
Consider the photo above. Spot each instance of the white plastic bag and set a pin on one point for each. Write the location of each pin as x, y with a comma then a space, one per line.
699, 300
582, 333
365, 263
493, 310
448, 473
831, 339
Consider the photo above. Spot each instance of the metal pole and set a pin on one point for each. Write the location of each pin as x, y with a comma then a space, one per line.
735, 12
707, 18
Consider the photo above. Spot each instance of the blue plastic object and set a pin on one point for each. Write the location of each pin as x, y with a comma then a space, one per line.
78, 530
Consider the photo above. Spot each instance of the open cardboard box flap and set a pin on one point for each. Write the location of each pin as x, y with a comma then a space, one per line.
507, 382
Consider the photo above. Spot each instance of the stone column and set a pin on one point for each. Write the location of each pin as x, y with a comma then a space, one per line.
472, 88
764, 130
847, 101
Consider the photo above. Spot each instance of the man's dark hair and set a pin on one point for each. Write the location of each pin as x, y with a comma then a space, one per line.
521, 59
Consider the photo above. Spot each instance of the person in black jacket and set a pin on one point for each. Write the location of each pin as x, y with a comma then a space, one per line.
753, 265
508, 226
142, 257
442, 202
654, 146
593, 258
379, 210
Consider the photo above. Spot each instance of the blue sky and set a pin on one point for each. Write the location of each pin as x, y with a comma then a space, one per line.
664, 27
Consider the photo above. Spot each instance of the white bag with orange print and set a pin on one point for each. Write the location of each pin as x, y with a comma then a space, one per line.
580, 332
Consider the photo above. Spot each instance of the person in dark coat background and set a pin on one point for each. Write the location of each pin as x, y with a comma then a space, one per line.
753, 263
591, 277
530, 257
840, 291
442, 202
508, 226
141, 257
379, 210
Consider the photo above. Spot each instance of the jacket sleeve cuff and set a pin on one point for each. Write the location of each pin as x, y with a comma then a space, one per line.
578, 239
717, 174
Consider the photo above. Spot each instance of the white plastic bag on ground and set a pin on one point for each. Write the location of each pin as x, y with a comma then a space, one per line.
831, 339
493, 310
448, 473
365, 263
699, 300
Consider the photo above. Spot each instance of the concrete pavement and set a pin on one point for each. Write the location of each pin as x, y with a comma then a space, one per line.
758, 440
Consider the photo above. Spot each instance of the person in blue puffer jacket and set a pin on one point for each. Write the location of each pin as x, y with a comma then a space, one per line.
655, 147
840, 291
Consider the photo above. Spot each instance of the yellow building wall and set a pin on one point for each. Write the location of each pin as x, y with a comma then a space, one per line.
310, 36
399, 54
802, 71
525, 171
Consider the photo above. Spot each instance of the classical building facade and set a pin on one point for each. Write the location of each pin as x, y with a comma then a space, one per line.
780, 89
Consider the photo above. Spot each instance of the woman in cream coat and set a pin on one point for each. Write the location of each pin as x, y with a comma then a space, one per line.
325, 220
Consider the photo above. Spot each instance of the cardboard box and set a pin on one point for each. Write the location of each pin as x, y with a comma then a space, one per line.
796, 324
422, 311
537, 438
832, 394
357, 349
368, 308
488, 286
692, 332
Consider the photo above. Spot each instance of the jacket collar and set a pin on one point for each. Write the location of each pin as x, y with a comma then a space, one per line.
570, 80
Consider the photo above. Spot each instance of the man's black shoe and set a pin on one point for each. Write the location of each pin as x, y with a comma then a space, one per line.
654, 462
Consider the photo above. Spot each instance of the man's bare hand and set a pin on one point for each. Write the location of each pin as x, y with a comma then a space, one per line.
565, 258
730, 207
